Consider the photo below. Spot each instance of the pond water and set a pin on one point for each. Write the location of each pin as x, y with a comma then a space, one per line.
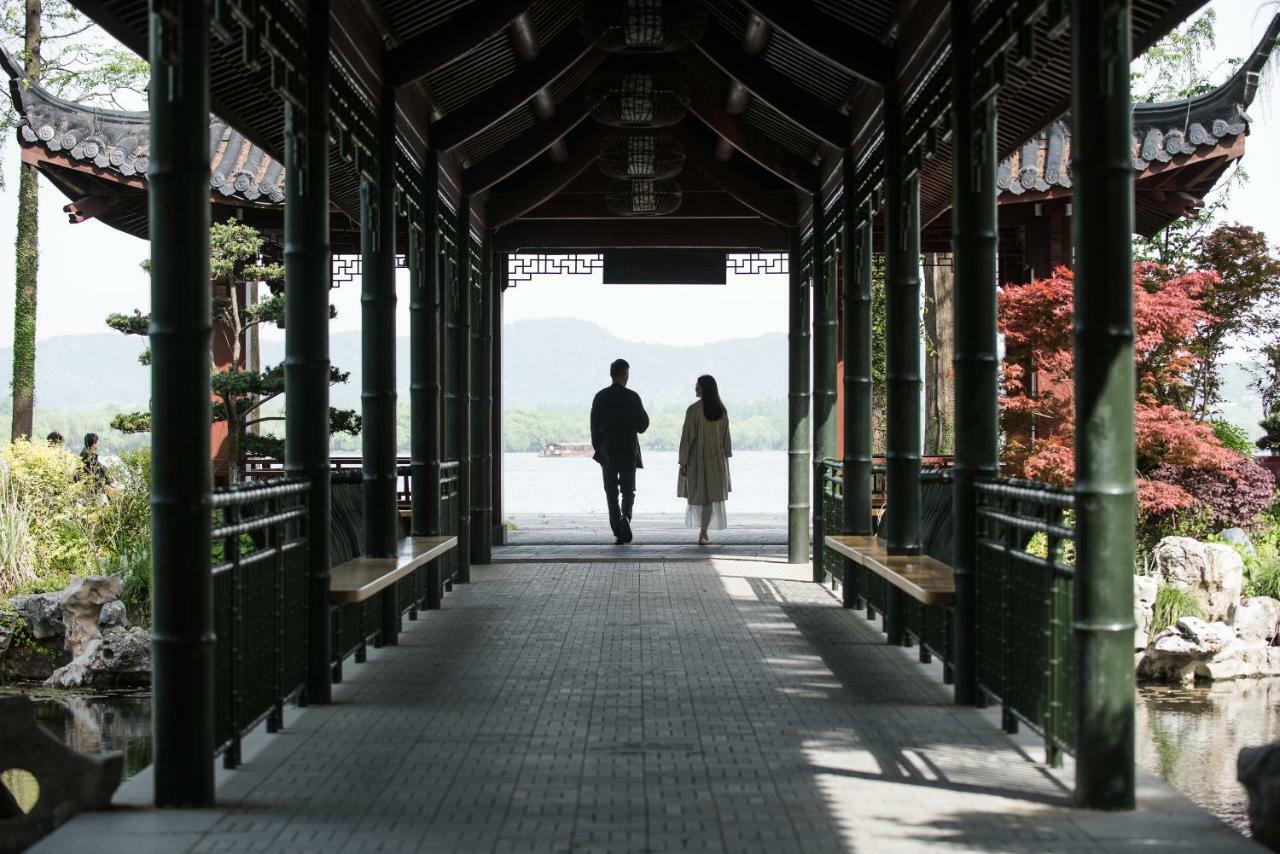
1190, 737
91, 723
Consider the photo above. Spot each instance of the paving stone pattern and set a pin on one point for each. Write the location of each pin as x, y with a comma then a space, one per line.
718, 706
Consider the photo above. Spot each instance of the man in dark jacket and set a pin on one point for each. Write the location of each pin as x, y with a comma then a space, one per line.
617, 416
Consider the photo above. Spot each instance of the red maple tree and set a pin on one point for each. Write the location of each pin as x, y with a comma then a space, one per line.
1038, 401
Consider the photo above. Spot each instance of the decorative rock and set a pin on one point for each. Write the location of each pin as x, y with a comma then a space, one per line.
1212, 573
1238, 537
1208, 637
82, 603
6, 636
1258, 769
1255, 620
113, 615
42, 612
69, 781
117, 659
1144, 608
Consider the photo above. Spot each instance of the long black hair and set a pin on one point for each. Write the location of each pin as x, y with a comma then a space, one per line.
712, 407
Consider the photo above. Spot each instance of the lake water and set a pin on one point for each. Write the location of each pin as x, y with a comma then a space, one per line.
572, 485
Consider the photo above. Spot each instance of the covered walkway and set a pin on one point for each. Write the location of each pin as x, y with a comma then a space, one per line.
720, 705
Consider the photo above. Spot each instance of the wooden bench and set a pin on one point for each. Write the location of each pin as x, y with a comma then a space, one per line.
369, 595
363, 577
924, 579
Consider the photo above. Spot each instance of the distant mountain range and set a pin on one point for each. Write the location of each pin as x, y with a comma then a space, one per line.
546, 363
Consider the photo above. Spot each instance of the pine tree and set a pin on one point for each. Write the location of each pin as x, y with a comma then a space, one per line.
235, 252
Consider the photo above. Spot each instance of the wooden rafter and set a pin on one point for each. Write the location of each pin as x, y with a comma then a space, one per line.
655, 232
481, 176
538, 189
759, 78
510, 93
833, 40
780, 207
799, 173
715, 204
427, 52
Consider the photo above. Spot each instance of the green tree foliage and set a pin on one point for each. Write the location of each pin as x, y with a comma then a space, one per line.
57, 524
1242, 304
235, 252
59, 49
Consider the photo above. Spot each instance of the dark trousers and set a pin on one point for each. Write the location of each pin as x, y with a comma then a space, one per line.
619, 479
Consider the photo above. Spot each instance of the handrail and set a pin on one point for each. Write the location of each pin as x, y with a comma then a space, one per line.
259, 536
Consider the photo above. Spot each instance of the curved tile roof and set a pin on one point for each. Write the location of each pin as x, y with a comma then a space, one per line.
119, 142
1162, 131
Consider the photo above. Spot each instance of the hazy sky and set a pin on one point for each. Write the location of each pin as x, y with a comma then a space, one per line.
89, 270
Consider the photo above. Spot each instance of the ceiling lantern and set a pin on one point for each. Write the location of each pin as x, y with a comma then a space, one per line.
643, 26
643, 197
641, 154
638, 99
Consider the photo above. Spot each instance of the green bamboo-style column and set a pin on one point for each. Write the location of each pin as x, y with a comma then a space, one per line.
482, 424
1102, 174
306, 361
857, 369
424, 360
378, 371
798, 414
182, 634
974, 240
824, 373
902, 352
462, 352
495, 420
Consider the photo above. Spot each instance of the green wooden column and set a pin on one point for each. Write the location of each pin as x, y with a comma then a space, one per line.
378, 364
182, 634
424, 358
857, 370
974, 241
306, 362
798, 408
902, 352
1102, 174
482, 423
463, 353
824, 372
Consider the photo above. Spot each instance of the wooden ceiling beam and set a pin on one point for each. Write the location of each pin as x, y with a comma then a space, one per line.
829, 38
502, 209
482, 175
758, 77
781, 208
801, 174
510, 93
648, 233
591, 206
441, 45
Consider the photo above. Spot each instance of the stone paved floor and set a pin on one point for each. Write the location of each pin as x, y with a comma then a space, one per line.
658, 536
721, 705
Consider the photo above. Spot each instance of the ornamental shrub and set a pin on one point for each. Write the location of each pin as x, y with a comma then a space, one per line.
1235, 495
56, 525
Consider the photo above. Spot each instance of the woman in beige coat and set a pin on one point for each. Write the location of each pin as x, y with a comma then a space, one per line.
705, 449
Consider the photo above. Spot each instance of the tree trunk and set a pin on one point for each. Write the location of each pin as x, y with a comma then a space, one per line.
939, 393
26, 261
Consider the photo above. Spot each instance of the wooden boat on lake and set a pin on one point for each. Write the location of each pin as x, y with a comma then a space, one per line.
567, 449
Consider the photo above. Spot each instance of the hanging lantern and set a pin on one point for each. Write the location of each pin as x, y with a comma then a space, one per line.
643, 197
638, 99
643, 26
642, 154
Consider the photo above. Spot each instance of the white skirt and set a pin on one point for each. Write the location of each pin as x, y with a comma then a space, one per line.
719, 519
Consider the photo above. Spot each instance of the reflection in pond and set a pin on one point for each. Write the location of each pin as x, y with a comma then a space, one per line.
1190, 737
